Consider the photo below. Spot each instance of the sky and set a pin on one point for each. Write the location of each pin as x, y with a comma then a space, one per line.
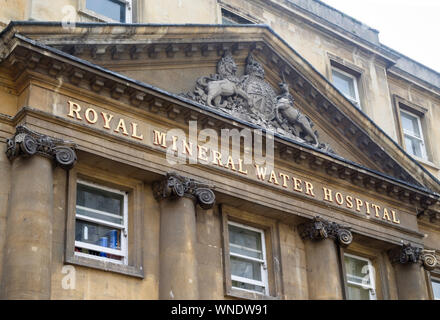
410, 27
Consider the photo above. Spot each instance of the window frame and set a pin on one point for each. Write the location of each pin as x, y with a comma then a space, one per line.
124, 230
424, 155
357, 100
272, 247
129, 12
264, 272
371, 273
436, 279
134, 221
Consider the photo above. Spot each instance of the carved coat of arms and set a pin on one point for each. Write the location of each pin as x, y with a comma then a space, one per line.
251, 98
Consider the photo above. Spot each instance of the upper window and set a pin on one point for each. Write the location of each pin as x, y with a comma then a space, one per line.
101, 223
231, 18
117, 10
435, 283
360, 278
247, 258
347, 84
413, 134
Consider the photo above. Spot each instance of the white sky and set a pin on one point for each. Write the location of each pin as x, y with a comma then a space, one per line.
410, 27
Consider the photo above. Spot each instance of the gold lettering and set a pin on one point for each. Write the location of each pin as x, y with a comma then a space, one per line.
297, 184
217, 158
285, 179
273, 178
95, 116
261, 172
376, 208
327, 194
349, 200
367, 204
386, 214
108, 117
74, 108
359, 204
395, 220
202, 154
309, 189
339, 198
230, 163
187, 147
134, 128
121, 125
240, 167
175, 138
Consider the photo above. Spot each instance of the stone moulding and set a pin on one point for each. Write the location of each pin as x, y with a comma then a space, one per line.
408, 253
320, 229
27, 143
176, 186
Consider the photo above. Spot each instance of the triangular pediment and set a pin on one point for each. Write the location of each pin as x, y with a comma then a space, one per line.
255, 76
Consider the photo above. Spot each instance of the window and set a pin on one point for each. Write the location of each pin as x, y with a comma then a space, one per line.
231, 18
360, 278
413, 134
347, 84
116, 10
247, 258
435, 283
101, 223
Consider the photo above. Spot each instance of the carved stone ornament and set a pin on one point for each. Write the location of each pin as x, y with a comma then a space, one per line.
251, 98
320, 229
176, 186
408, 253
27, 143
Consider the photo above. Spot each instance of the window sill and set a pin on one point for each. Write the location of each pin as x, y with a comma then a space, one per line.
245, 295
106, 266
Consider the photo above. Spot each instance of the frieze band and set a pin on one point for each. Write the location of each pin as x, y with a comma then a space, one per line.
177, 186
408, 253
320, 229
27, 143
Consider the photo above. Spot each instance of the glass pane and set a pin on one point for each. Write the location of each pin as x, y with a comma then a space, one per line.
101, 200
245, 268
413, 146
357, 271
110, 8
245, 242
436, 289
357, 293
97, 234
344, 83
247, 286
410, 124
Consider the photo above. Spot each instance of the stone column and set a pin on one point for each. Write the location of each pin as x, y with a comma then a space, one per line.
323, 262
178, 197
27, 261
408, 262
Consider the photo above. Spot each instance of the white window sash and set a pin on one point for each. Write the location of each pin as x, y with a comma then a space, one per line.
248, 281
355, 100
421, 138
104, 259
233, 254
99, 212
99, 221
372, 287
123, 227
243, 247
94, 247
263, 263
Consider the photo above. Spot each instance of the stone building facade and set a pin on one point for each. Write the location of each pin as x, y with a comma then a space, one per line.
213, 149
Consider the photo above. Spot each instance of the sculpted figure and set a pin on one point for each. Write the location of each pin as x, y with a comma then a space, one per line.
227, 85
286, 112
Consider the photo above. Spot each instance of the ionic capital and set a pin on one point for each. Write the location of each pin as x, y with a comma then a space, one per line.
176, 186
407, 254
320, 229
27, 143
